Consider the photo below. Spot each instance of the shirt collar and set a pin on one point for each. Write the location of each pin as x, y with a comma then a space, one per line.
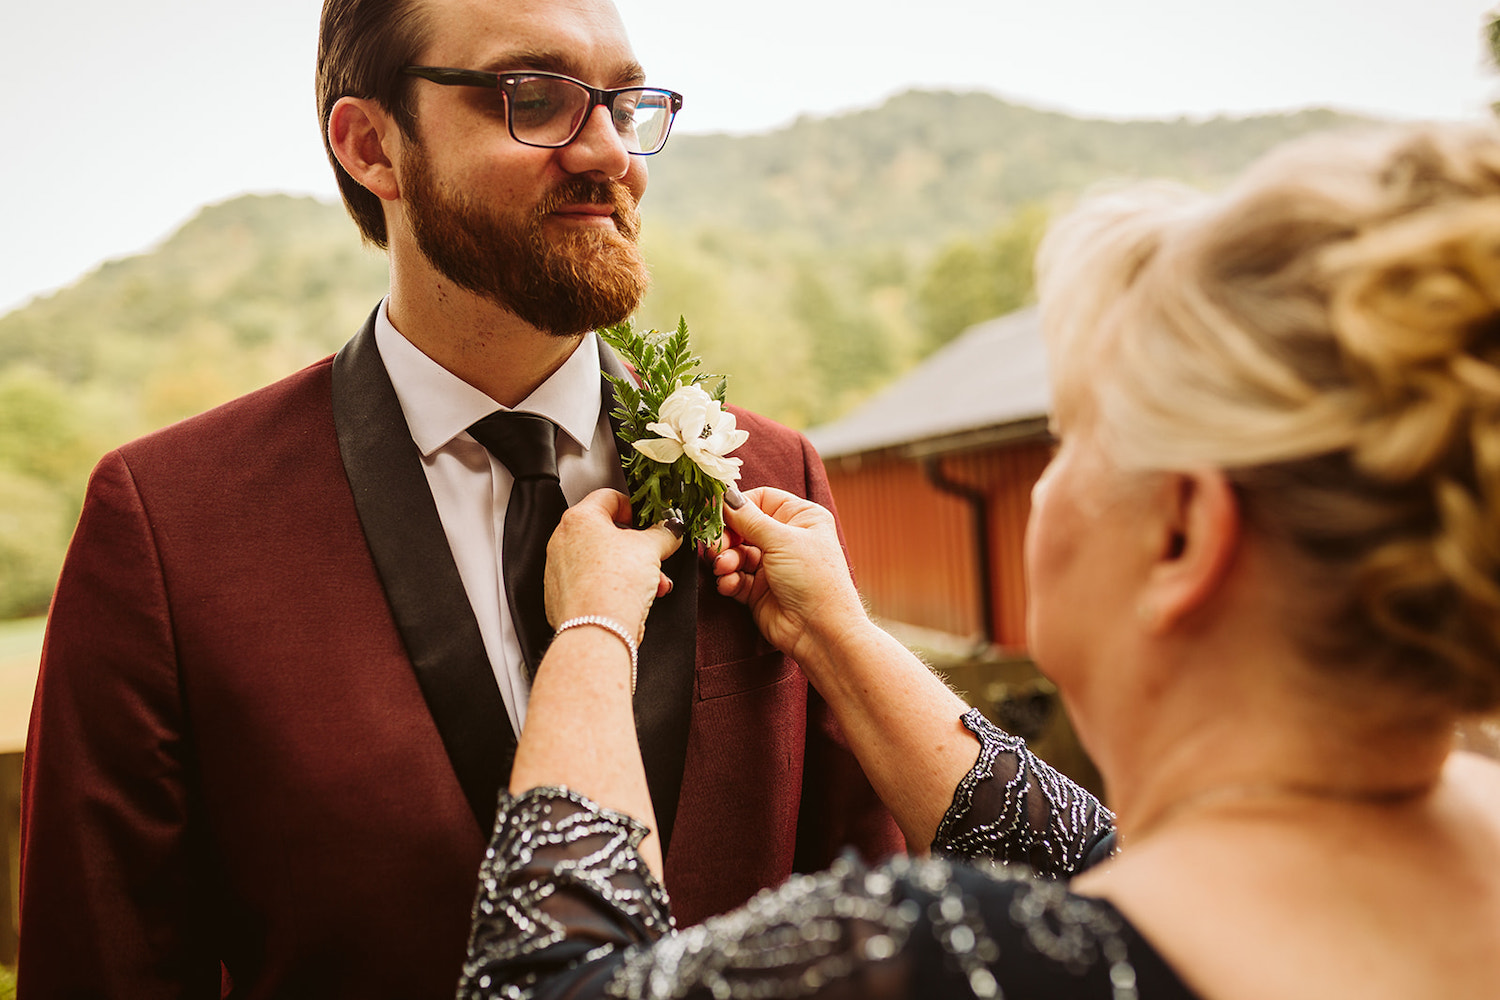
439, 405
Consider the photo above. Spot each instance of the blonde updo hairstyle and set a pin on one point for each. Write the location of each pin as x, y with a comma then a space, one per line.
1327, 332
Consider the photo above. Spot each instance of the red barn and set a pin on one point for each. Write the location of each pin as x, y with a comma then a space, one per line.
933, 480
933, 483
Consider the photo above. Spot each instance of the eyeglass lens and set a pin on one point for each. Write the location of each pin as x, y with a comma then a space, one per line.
550, 112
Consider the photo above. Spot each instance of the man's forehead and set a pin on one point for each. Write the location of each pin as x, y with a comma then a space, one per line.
559, 35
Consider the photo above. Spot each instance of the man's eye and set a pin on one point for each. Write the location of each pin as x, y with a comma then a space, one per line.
534, 107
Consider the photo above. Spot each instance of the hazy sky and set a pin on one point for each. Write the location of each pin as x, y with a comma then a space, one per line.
120, 119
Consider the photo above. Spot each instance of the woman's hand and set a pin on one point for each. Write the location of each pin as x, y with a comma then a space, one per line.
900, 719
580, 729
789, 567
597, 565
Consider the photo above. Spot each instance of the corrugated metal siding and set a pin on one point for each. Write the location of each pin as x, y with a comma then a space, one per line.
912, 545
909, 544
1006, 475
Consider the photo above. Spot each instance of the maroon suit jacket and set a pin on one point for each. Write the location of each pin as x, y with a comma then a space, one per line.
266, 733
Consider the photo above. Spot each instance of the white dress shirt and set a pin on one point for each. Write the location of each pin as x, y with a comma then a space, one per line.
471, 488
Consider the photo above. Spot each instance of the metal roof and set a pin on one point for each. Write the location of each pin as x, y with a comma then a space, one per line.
992, 375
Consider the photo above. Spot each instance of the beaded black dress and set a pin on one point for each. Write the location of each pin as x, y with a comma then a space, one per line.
567, 909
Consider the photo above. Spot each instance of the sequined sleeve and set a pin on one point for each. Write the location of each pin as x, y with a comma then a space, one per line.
562, 886
1013, 807
567, 909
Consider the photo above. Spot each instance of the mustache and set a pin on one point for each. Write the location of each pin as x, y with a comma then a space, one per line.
582, 191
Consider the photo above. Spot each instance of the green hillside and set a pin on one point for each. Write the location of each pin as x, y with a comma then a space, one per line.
813, 264
927, 166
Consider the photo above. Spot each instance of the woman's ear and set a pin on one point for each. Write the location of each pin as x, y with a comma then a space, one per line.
1199, 536
359, 133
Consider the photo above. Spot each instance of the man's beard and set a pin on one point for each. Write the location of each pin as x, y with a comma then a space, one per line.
563, 283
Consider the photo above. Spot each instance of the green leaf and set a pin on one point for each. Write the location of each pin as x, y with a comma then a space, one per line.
662, 362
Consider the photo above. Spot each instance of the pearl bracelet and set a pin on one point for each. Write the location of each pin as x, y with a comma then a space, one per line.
614, 628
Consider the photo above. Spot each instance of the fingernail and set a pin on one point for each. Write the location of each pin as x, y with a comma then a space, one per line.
734, 498
674, 523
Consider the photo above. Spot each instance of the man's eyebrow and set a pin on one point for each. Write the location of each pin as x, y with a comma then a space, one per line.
550, 61
631, 72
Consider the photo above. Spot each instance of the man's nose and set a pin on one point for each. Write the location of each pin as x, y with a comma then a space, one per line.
599, 147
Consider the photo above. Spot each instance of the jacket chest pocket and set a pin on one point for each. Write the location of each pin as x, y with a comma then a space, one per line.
719, 680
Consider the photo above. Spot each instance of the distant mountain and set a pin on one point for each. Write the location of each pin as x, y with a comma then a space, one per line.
254, 275
806, 260
930, 165
819, 260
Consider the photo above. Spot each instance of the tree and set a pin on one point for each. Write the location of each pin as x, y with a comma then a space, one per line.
971, 282
850, 348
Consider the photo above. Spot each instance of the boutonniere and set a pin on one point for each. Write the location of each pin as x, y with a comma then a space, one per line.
675, 435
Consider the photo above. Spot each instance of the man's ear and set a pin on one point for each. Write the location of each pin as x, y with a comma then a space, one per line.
1200, 534
361, 134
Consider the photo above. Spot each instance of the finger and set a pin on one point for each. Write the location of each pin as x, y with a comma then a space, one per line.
621, 513
736, 586
664, 538
727, 540
663, 586
740, 559
718, 546
750, 558
749, 521
610, 503
727, 562
787, 508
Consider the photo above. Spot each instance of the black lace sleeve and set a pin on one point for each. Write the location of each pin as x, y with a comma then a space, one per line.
1014, 807
567, 909
562, 886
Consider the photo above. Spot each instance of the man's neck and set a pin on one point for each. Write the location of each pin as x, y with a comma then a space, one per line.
488, 347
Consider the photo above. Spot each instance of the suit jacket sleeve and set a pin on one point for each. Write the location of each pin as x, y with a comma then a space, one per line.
113, 878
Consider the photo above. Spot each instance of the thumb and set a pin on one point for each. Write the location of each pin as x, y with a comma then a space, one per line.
667, 539
608, 503
747, 520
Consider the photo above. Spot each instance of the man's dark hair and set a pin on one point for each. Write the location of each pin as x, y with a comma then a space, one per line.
362, 45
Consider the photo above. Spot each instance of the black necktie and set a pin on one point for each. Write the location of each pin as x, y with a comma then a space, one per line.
526, 444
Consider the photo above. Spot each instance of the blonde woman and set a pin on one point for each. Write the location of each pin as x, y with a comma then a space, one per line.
1264, 573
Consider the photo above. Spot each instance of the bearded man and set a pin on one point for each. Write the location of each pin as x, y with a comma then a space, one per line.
287, 661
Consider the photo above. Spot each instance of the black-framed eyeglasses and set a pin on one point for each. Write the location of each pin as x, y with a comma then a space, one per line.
550, 110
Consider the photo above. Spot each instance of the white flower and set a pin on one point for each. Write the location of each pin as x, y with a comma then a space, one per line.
693, 423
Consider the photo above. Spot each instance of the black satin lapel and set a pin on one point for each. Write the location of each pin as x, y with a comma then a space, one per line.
664, 691
421, 581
